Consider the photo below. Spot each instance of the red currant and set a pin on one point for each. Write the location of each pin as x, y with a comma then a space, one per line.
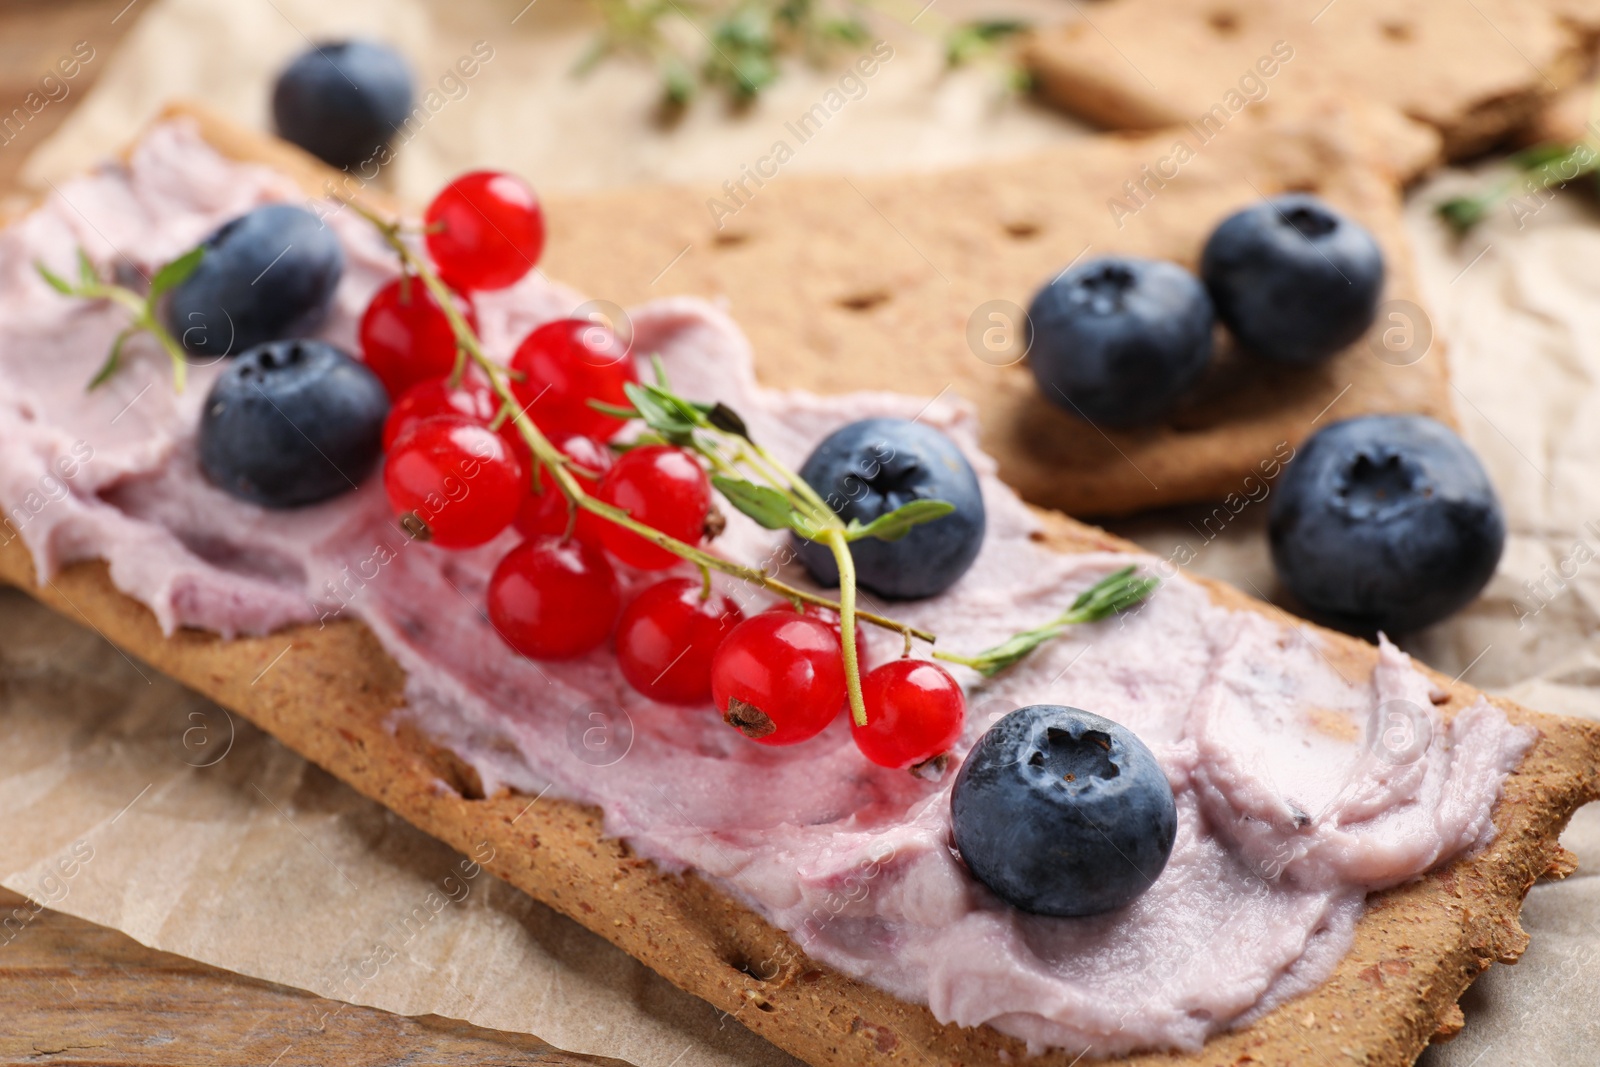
562, 366
668, 636
830, 617
405, 337
485, 231
472, 399
915, 711
553, 598
453, 481
778, 678
547, 512
663, 487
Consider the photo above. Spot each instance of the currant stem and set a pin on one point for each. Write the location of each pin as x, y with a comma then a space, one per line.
847, 621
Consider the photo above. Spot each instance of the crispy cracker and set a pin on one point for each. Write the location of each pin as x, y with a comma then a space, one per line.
1475, 72
1415, 950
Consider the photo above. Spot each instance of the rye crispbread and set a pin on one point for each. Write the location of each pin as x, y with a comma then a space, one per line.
1415, 950
1475, 72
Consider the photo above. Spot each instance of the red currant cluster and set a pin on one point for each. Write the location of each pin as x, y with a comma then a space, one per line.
460, 470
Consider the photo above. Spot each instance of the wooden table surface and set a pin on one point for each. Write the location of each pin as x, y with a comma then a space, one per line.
72, 992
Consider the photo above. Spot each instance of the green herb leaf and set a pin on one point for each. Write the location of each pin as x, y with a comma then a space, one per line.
55, 281
897, 523
1542, 155
1111, 594
614, 410
669, 415
176, 272
87, 275
113, 360
762, 503
969, 40
1462, 213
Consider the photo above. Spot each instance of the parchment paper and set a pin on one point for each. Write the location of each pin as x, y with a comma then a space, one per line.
130, 802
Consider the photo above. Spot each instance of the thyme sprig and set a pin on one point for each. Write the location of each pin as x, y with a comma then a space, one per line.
1111, 595
1537, 171
141, 309
738, 47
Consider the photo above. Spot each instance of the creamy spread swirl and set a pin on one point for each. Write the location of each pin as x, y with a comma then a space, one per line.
1292, 805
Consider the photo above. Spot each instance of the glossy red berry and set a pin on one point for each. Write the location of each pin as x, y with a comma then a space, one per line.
472, 399
668, 636
553, 598
830, 617
485, 231
915, 711
779, 679
405, 337
452, 481
563, 365
663, 487
547, 512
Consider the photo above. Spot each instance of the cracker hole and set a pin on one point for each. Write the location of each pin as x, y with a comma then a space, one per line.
730, 239
1226, 23
758, 971
1022, 231
1399, 31
864, 301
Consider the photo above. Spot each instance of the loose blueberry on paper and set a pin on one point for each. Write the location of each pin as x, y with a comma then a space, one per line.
291, 423
868, 469
1060, 812
267, 275
1118, 339
1385, 522
1295, 280
343, 101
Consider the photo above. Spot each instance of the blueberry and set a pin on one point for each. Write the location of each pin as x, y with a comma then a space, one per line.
1060, 812
267, 275
1385, 522
1294, 280
342, 101
1117, 340
291, 423
870, 468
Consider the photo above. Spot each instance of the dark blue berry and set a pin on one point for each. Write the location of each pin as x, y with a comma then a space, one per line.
266, 275
1294, 280
343, 101
291, 423
870, 468
1385, 522
1118, 339
1060, 812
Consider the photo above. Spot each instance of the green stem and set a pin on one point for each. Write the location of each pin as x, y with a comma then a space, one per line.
847, 622
144, 318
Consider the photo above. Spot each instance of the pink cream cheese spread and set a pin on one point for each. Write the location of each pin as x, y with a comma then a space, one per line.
1288, 813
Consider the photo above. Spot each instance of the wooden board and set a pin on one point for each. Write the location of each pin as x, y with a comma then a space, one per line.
72, 992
